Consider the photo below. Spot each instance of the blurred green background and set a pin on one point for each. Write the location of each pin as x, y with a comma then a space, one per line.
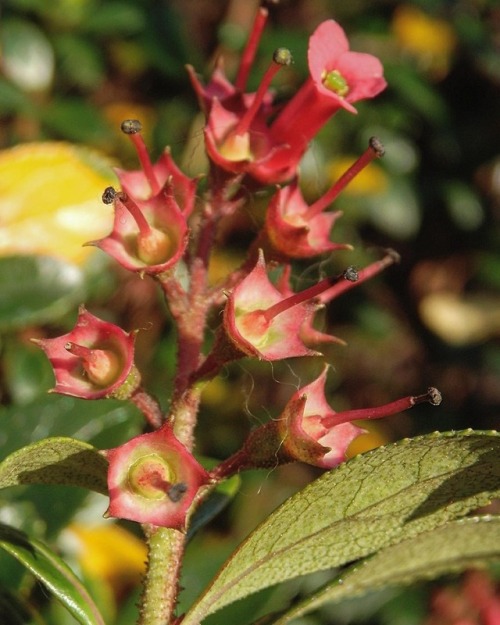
70, 72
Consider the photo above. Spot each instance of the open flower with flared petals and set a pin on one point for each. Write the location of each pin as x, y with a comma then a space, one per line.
239, 139
262, 321
296, 229
293, 231
310, 431
148, 236
338, 78
153, 479
94, 360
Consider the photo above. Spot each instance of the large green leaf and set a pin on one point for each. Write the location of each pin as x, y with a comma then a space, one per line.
380, 498
450, 548
36, 289
52, 572
56, 460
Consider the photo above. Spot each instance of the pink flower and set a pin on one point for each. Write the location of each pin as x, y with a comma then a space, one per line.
238, 136
167, 177
150, 180
262, 321
294, 231
338, 78
153, 479
310, 431
94, 360
148, 236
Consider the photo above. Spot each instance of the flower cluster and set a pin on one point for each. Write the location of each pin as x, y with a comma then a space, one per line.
162, 229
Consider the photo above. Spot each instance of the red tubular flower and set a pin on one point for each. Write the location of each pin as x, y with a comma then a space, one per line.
94, 360
148, 236
153, 479
237, 135
310, 431
338, 78
261, 321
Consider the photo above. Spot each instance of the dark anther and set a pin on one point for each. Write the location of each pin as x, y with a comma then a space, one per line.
131, 126
376, 146
176, 492
435, 397
395, 256
283, 56
351, 274
109, 195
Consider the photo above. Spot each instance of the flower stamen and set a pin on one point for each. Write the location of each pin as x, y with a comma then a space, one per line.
432, 396
132, 128
375, 150
101, 365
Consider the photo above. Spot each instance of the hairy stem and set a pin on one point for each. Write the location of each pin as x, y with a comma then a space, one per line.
161, 585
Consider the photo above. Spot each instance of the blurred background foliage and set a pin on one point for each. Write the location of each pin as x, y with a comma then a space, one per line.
70, 72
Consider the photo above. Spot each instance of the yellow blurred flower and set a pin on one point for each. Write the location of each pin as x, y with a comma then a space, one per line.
430, 40
110, 553
50, 199
376, 435
370, 181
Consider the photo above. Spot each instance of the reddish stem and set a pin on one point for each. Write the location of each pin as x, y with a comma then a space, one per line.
374, 150
246, 120
364, 274
137, 214
148, 406
143, 155
248, 55
433, 396
298, 298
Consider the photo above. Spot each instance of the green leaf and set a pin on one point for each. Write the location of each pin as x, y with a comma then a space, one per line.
52, 572
447, 549
57, 460
375, 500
37, 289
76, 120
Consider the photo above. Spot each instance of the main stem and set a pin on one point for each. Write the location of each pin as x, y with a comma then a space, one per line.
161, 585
166, 546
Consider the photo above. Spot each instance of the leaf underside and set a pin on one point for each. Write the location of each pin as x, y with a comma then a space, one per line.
450, 548
57, 460
375, 500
